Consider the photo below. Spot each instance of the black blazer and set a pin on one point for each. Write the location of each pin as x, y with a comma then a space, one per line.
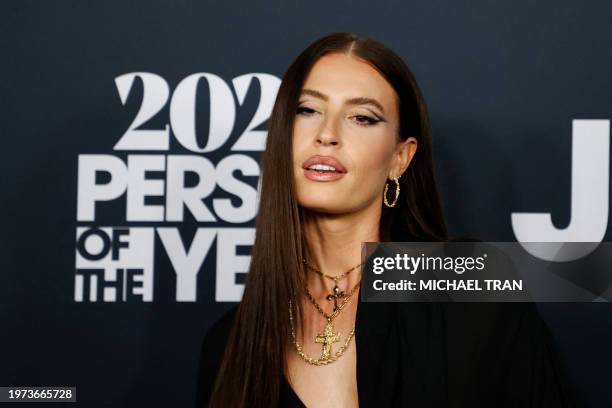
425, 354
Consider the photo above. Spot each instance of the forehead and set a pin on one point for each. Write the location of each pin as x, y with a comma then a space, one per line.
341, 76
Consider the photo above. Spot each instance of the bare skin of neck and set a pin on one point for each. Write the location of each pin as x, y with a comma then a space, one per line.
335, 247
335, 241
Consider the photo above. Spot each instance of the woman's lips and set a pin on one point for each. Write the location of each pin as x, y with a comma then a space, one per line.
318, 175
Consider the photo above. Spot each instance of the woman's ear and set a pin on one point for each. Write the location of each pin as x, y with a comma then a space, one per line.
404, 153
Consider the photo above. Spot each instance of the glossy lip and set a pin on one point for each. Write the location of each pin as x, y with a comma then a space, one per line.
317, 175
327, 160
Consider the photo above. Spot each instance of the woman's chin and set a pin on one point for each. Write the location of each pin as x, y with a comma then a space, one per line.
325, 207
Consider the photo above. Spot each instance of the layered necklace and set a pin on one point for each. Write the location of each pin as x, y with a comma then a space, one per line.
328, 336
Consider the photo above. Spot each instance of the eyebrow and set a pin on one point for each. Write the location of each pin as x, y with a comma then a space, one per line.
360, 100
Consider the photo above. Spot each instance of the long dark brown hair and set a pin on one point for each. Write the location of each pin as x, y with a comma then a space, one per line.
253, 363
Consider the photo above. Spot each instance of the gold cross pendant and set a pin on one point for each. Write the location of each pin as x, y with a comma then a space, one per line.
327, 337
338, 294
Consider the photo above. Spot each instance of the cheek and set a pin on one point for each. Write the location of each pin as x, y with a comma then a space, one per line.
301, 134
372, 162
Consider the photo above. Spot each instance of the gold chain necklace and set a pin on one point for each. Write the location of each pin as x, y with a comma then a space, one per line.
337, 293
342, 275
327, 337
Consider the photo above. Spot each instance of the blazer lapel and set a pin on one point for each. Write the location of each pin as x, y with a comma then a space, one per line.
375, 335
400, 354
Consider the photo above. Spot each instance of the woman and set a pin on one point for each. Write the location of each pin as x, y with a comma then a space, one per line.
349, 160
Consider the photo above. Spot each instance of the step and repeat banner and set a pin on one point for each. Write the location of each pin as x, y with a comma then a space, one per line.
131, 139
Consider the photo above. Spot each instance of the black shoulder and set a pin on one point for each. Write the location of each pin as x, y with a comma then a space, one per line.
507, 351
211, 352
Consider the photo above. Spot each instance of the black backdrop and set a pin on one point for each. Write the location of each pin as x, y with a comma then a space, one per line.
503, 81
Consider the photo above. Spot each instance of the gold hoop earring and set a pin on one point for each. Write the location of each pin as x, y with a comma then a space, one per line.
397, 191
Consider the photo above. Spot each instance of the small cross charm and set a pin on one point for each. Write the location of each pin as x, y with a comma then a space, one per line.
338, 294
327, 337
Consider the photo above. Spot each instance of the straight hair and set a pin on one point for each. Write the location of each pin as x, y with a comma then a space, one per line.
254, 359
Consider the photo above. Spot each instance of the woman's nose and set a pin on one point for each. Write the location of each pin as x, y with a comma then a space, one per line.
329, 134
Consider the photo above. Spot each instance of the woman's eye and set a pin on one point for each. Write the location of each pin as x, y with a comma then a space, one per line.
304, 110
364, 120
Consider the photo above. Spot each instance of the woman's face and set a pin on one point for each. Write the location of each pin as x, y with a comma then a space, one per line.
348, 114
